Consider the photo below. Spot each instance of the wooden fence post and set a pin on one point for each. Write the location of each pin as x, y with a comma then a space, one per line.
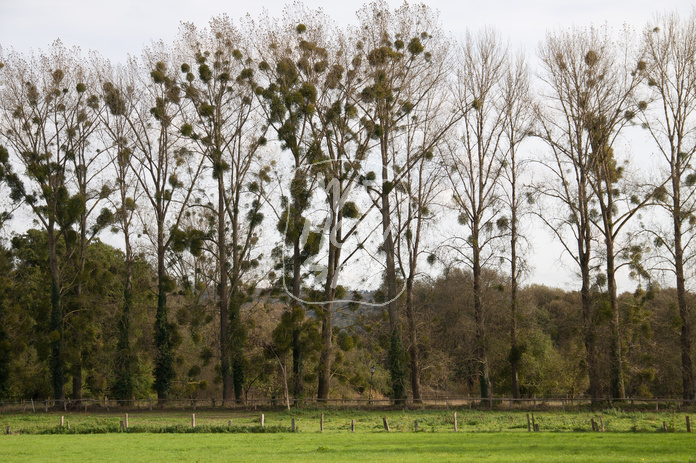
193, 420
688, 424
292, 425
352, 425
536, 427
8, 429
125, 420
594, 425
664, 426
150, 403
62, 421
67, 425
263, 419
455, 421
415, 425
321, 423
529, 424
46, 405
386, 424
33, 409
601, 422
533, 423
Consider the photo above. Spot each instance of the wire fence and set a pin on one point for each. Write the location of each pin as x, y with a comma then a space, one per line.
266, 403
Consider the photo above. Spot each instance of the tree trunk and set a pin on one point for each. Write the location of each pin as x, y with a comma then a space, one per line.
56, 325
515, 354
413, 341
617, 382
223, 299
164, 360
397, 368
326, 351
481, 351
297, 358
687, 366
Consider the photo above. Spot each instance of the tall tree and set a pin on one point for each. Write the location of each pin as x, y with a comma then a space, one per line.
419, 187
590, 82
475, 166
669, 48
118, 137
518, 113
47, 121
168, 174
288, 96
396, 61
225, 126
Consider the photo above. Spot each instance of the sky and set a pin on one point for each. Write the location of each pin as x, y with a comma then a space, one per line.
117, 29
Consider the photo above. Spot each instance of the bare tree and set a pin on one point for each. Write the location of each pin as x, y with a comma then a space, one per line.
590, 81
120, 102
475, 165
518, 113
669, 48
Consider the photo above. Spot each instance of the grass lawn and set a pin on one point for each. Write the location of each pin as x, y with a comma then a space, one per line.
307, 420
341, 447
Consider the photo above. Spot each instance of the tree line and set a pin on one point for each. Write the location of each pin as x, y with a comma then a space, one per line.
295, 202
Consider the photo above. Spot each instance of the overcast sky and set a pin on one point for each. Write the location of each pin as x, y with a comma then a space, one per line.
120, 28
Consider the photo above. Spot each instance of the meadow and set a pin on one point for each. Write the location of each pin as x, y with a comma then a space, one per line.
226, 436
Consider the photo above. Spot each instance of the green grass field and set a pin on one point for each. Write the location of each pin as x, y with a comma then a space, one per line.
307, 421
484, 436
342, 447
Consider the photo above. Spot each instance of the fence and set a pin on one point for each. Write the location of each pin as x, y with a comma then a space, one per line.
495, 403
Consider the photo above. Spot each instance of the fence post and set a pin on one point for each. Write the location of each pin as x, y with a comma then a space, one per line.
8, 429
529, 424
352, 425
533, 423
415, 425
62, 421
292, 425
193, 420
664, 426
263, 419
455, 421
386, 424
125, 420
601, 422
594, 425
321, 423
46, 405
688, 424
150, 404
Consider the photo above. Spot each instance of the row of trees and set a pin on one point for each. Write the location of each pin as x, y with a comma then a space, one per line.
392, 130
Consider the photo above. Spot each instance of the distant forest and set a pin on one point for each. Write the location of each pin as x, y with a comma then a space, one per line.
301, 210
